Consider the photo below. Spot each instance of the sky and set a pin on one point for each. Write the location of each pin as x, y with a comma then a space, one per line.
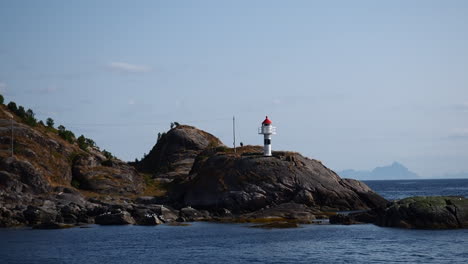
355, 84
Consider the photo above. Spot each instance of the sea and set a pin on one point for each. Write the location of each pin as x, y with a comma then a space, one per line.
202, 242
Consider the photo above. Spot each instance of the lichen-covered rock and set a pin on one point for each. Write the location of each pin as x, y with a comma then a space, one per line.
436, 212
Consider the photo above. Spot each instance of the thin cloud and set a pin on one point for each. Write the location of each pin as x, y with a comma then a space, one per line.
128, 68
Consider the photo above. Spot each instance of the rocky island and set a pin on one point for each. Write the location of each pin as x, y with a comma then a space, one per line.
52, 181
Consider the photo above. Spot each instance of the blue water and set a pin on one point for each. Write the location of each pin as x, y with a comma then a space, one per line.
398, 189
236, 243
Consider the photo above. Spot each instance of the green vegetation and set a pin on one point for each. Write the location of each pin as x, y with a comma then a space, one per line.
28, 117
50, 122
66, 134
107, 154
84, 142
12, 107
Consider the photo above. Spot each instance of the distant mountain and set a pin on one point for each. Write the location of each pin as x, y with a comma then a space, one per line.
395, 171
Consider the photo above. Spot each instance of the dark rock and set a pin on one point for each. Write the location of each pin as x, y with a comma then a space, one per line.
191, 214
147, 200
175, 152
438, 212
122, 218
146, 217
341, 219
168, 214
38, 215
118, 179
25, 173
250, 182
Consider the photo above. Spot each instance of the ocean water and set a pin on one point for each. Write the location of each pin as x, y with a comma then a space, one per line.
237, 243
399, 189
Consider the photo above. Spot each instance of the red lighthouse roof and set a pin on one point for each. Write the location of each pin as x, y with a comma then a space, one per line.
266, 121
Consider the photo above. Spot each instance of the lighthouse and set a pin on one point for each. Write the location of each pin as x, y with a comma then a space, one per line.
267, 130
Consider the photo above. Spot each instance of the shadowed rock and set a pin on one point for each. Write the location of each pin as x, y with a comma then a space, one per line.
175, 152
437, 212
246, 183
119, 218
103, 176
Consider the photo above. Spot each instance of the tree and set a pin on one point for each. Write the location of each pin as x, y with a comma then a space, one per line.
107, 154
30, 113
82, 143
176, 124
90, 142
21, 112
159, 136
50, 122
12, 107
29, 118
172, 125
1, 99
66, 134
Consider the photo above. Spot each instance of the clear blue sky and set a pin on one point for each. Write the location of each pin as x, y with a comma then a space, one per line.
356, 84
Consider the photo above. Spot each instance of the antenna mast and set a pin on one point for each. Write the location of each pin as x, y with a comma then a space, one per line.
234, 131
12, 154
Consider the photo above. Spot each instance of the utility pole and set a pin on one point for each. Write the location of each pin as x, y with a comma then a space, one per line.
12, 151
234, 131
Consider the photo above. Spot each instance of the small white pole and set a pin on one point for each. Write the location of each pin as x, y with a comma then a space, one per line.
12, 151
234, 131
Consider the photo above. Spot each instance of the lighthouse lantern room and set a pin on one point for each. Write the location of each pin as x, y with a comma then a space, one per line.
267, 130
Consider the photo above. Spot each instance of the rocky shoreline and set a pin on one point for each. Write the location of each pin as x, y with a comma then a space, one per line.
189, 175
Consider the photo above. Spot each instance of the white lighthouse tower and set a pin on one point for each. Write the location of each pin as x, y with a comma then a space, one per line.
267, 130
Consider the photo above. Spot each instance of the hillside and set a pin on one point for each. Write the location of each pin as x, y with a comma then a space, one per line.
55, 180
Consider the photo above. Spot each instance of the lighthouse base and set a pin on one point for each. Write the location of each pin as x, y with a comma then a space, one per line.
267, 146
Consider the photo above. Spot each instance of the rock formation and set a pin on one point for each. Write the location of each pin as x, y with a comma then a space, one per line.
438, 212
52, 183
246, 182
174, 153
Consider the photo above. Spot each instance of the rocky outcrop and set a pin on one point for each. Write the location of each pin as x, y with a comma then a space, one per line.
436, 212
174, 153
93, 173
118, 218
249, 182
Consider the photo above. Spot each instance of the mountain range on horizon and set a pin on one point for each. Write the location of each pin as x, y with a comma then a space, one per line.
394, 171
